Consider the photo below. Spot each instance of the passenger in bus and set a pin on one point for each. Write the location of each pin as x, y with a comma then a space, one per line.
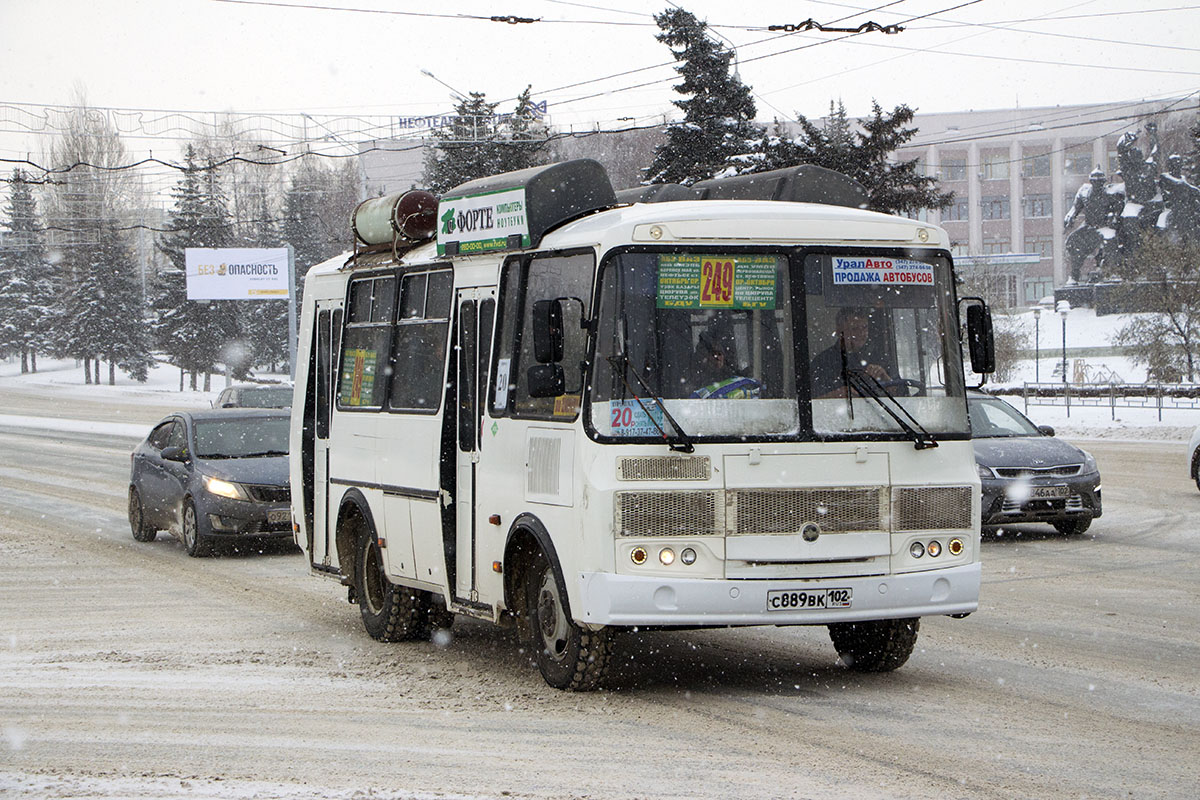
717, 368
850, 351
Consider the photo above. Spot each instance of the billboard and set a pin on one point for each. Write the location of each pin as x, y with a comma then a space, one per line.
237, 273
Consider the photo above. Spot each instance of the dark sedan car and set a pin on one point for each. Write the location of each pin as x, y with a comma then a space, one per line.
255, 396
1027, 474
207, 476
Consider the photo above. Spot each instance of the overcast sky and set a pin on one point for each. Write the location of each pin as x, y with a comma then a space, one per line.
293, 57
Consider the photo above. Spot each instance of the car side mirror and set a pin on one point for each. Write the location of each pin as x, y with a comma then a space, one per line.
175, 453
546, 380
1046, 430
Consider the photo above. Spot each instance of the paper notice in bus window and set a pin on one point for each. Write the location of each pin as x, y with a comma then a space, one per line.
628, 418
687, 280
566, 405
881, 271
502, 367
358, 377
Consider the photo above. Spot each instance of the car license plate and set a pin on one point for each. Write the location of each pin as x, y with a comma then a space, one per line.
804, 599
279, 515
1043, 492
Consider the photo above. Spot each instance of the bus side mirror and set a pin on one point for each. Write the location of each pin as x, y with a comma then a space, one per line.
548, 332
546, 380
980, 343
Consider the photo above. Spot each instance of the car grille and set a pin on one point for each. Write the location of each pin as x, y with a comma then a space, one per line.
1072, 503
1063, 471
263, 493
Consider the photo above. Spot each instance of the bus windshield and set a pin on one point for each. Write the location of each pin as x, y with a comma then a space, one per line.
705, 344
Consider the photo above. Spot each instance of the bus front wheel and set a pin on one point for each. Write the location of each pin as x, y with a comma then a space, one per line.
879, 645
390, 613
568, 656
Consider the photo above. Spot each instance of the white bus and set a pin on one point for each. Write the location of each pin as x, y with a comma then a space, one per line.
546, 404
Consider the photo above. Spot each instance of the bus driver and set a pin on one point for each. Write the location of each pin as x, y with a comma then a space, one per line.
827, 372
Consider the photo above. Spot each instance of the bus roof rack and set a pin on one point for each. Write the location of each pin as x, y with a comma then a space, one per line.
554, 193
806, 183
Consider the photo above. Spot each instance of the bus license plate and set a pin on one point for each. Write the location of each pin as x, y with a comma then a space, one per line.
279, 515
1044, 492
800, 599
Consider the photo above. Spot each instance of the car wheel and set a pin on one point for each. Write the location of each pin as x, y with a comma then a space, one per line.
137, 518
880, 645
1196, 467
568, 656
197, 544
1073, 526
390, 613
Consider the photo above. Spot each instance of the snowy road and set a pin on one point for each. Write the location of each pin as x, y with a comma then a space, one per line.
130, 670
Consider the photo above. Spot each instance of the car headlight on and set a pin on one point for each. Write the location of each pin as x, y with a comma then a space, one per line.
1089, 462
224, 488
984, 472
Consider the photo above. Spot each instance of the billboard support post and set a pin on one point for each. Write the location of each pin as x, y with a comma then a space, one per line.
292, 333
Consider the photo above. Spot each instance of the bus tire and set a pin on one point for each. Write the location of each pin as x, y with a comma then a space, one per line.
568, 656
390, 613
879, 645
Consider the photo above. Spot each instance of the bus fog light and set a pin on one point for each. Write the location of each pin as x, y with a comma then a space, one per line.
687, 556
666, 556
638, 555
955, 547
916, 549
934, 549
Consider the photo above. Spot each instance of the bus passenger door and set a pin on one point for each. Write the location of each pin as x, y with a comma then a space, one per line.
476, 312
328, 335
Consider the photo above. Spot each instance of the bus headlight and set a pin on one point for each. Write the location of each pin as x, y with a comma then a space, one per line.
934, 548
638, 555
666, 556
687, 556
916, 549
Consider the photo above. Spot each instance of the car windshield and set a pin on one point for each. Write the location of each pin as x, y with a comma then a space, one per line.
266, 397
242, 437
991, 418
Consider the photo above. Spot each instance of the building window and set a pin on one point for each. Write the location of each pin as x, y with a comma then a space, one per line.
1037, 166
995, 166
995, 207
1078, 161
955, 211
959, 249
1036, 205
1038, 288
954, 169
993, 247
1042, 245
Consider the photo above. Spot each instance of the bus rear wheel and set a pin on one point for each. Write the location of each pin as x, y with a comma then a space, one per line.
390, 613
568, 656
879, 645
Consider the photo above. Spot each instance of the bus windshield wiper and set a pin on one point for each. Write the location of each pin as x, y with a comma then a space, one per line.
868, 385
681, 442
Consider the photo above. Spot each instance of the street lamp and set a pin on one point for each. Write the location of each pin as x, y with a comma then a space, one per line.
1063, 306
1037, 344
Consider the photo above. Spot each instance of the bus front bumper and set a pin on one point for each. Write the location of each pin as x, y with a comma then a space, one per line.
627, 600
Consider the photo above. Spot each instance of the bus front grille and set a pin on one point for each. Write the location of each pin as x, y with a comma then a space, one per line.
763, 511
669, 513
931, 508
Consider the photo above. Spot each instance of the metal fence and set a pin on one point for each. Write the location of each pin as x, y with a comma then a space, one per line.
1155, 396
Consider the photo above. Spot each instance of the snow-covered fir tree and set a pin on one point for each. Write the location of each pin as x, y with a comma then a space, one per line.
316, 213
194, 333
718, 112
864, 150
264, 323
478, 143
26, 288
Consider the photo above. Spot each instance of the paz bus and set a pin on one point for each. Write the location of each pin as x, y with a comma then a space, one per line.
543, 403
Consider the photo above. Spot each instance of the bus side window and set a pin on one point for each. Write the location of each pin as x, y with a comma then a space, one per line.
365, 344
541, 277
422, 328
